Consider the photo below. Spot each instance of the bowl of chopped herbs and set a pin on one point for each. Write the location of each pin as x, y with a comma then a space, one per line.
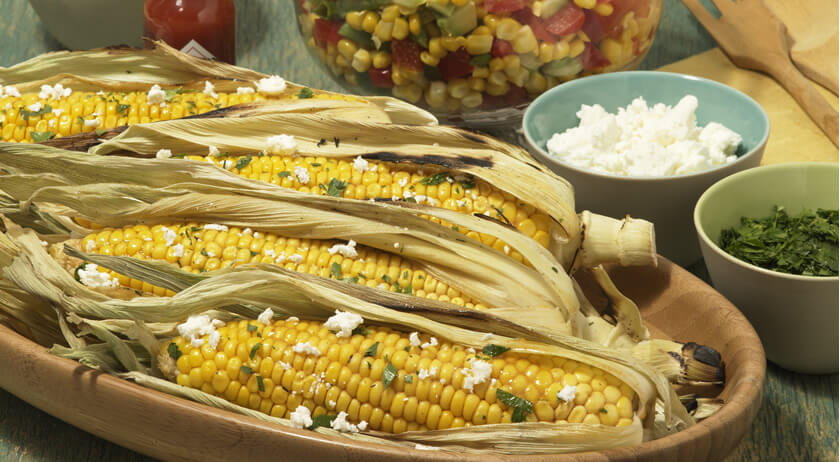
769, 239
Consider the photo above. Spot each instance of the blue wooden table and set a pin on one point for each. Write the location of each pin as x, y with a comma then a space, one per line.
798, 417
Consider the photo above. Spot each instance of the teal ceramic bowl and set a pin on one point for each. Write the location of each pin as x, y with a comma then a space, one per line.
795, 316
666, 201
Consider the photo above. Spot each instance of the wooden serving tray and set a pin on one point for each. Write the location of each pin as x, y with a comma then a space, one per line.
674, 303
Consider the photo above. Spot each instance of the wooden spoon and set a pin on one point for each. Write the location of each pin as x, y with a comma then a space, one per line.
754, 38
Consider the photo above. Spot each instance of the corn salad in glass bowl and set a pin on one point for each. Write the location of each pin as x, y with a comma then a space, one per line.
474, 62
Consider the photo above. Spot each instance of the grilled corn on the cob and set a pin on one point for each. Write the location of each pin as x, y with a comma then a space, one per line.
391, 380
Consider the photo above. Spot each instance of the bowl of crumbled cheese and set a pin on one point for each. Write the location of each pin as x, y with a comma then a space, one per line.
647, 144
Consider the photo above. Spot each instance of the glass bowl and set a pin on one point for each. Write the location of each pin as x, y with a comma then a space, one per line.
474, 62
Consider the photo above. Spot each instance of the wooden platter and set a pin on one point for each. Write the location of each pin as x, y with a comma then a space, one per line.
674, 303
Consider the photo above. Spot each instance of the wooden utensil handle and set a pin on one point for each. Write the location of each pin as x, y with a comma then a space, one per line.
803, 91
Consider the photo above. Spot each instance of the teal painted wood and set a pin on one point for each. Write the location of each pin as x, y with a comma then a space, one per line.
798, 417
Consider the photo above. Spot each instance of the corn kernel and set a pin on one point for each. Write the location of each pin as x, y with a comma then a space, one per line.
524, 41
479, 44
370, 21
507, 28
355, 18
361, 60
588, 4
576, 48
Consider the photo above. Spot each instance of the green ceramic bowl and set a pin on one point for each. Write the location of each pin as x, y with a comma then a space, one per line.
666, 201
795, 316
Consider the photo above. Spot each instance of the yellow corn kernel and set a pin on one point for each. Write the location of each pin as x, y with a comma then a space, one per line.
588, 4
400, 29
414, 24
507, 28
370, 21
355, 19
384, 30
381, 59
428, 59
479, 44
473, 99
436, 48
561, 50
603, 9
452, 43
524, 41
576, 48
458, 88
361, 60
347, 48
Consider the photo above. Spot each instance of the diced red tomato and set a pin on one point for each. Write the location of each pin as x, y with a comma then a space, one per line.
538, 26
381, 77
501, 48
566, 21
592, 57
326, 32
455, 64
504, 6
406, 54
592, 27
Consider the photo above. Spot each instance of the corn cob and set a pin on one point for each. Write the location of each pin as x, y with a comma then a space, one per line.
388, 380
80, 112
372, 179
199, 248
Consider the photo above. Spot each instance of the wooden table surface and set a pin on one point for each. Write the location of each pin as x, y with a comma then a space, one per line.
798, 417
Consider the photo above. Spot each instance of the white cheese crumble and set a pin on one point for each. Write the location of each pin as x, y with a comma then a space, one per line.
213, 151
306, 348
155, 95
281, 144
285, 366
90, 276
424, 374
266, 316
341, 424
348, 250
567, 394
227, 164
271, 86
478, 372
92, 123
216, 227
343, 322
302, 174
58, 112
55, 92
209, 90
301, 417
169, 236
361, 165
414, 339
197, 326
244, 91
331, 403
178, 250
432, 342
35, 107
214, 338
9, 91
642, 141
295, 258
163, 154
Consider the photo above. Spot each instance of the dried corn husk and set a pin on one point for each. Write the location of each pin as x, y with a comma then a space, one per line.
28, 265
129, 69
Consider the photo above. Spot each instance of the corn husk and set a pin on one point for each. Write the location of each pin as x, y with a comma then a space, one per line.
29, 267
129, 69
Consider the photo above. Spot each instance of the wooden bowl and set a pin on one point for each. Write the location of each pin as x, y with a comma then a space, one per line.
674, 303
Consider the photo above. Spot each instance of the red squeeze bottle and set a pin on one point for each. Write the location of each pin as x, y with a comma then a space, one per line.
202, 28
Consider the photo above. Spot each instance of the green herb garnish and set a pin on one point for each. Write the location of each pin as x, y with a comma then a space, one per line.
305, 93
260, 383
335, 268
372, 350
121, 108
521, 407
243, 162
246, 370
322, 420
804, 244
42, 136
174, 351
388, 375
433, 180
336, 187
360, 331
251, 327
255, 349
408, 378
493, 350
284, 174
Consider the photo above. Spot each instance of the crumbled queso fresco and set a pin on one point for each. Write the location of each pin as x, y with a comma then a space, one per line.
645, 141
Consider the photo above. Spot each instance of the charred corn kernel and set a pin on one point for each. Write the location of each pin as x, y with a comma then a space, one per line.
414, 24
457, 88
400, 30
429, 59
576, 48
436, 94
361, 60
452, 43
511, 62
507, 28
471, 100
312, 380
197, 246
603, 9
381, 59
482, 30
436, 48
612, 50
384, 30
370, 21
561, 50
355, 18
390, 13
479, 44
524, 41
588, 4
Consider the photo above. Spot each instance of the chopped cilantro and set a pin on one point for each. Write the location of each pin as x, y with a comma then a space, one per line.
388, 375
42, 136
260, 383
408, 378
493, 350
360, 331
204, 252
100, 131
305, 93
174, 351
255, 349
372, 350
251, 327
336, 187
243, 162
121, 108
521, 407
323, 420
433, 180
284, 174
246, 369
335, 268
